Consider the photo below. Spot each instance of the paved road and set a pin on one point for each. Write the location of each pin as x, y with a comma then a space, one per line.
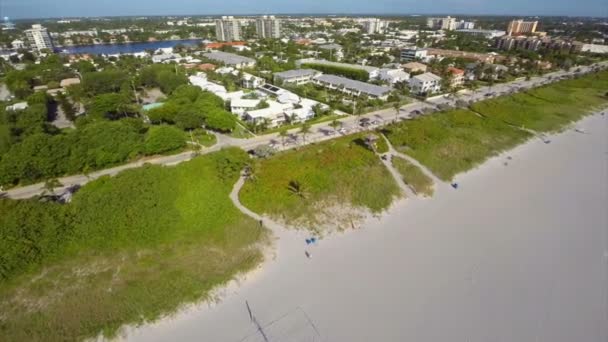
319, 132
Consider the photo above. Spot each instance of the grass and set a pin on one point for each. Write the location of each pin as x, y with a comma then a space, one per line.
456, 141
240, 132
413, 176
203, 138
549, 108
337, 173
139, 246
452, 142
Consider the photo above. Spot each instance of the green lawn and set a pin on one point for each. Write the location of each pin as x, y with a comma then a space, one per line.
127, 249
240, 132
202, 137
456, 141
413, 176
337, 172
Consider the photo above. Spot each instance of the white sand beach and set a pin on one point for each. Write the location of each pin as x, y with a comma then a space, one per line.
518, 253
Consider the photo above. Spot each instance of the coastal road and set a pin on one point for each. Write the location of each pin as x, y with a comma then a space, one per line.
319, 132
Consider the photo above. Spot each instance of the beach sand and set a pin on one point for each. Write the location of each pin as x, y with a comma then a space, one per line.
517, 253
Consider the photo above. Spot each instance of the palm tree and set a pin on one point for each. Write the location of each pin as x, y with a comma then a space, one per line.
335, 124
304, 130
283, 134
397, 107
297, 189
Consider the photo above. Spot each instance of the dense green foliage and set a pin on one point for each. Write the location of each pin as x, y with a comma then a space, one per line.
166, 77
50, 69
355, 74
112, 255
189, 107
101, 82
413, 176
163, 139
338, 172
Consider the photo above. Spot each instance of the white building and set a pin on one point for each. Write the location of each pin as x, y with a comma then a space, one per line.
39, 38
274, 115
18, 44
488, 34
231, 59
449, 24
227, 29
393, 76
372, 71
297, 76
595, 48
426, 83
250, 81
374, 25
268, 27
240, 106
413, 54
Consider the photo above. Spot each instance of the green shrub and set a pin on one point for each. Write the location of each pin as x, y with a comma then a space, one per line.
163, 139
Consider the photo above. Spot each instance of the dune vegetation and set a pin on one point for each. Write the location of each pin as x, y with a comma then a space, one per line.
126, 250
318, 182
458, 140
413, 176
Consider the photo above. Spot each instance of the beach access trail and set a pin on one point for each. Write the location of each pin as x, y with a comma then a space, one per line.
517, 253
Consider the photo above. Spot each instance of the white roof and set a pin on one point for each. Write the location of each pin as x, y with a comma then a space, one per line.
427, 77
18, 106
244, 103
273, 110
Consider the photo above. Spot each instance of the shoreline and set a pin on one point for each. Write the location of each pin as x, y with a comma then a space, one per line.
288, 241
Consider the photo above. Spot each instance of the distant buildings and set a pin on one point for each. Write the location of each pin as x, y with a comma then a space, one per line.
334, 49
413, 54
393, 76
268, 27
536, 43
518, 27
227, 29
297, 76
594, 48
352, 87
448, 23
424, 84
374, 25
488, 34
39, 38
481, 57
18, 44
231, 59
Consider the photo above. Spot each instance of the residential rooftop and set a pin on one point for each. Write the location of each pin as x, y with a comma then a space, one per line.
427, 77
363, 87
337, 64
228, 58
296, 73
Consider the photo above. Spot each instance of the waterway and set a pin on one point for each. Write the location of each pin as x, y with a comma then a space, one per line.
111, 49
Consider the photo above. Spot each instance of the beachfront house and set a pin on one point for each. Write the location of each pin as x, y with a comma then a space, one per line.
273, 115
231, 59
425, 84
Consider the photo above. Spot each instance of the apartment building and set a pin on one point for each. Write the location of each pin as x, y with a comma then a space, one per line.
449, 24
297, 76
457, 77
39, 38
519, 27
268, 27
352, 87
424, 84
227, 29
413, 54
374, 25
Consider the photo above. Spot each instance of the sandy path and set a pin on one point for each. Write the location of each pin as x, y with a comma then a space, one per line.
518, 253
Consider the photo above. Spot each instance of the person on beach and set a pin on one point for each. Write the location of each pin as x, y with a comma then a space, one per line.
307, 254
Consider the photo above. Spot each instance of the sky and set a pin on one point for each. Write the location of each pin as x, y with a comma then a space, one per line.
77, 8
